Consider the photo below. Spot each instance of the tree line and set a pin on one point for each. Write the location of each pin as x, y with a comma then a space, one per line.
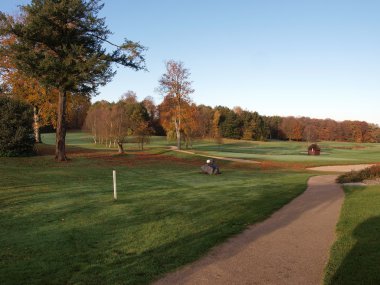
309, 129
201, 121
181, 119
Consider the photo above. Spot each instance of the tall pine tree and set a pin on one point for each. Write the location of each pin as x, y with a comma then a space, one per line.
61, 43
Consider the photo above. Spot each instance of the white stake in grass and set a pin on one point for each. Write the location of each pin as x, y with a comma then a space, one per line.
114, 185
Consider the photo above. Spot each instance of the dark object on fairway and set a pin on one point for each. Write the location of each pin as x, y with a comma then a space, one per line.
210, 167
314, 149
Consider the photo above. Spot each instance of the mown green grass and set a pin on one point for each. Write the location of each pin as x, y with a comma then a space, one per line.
60, 225
355, 256
332, 153
85, 140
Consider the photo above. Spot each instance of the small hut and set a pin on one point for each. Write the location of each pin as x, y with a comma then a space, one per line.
314, 149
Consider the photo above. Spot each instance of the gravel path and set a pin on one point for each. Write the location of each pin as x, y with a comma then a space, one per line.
290, 247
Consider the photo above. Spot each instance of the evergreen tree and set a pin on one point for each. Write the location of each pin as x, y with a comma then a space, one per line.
16, 128
60, 43
230, 124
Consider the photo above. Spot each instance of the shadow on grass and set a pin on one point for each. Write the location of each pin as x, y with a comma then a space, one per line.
362, 263
72, 233
87, 245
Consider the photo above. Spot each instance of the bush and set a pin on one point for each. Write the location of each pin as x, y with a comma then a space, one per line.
314, 146
368, 173
16, 128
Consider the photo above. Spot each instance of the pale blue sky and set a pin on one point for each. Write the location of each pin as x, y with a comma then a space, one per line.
303, 58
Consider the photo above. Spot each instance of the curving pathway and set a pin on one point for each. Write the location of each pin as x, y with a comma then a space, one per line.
290, 247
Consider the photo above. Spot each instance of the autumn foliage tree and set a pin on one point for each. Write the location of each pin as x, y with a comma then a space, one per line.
96, 120
21, 87
174, 84
42, 99
113, 123
118, 125
215, 131
60, 44
28, 90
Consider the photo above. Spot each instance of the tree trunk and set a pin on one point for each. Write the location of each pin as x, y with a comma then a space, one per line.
178, 133
178, 139
60, 145
94, 133
36, 125
120, 147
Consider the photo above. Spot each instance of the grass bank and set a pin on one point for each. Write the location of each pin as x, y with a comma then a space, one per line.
355, 256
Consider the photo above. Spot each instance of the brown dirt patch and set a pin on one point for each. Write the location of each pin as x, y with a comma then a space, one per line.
71, 151
112, 158
141, 159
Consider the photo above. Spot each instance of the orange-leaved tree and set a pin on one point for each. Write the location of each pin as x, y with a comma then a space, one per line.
22, 87
43, 99
176, 88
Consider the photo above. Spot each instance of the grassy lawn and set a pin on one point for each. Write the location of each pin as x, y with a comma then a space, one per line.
355, 256
333, 153
85, 140
285, 152
60, 224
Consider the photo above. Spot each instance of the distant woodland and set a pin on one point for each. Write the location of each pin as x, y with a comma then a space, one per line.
144, 118
115, 121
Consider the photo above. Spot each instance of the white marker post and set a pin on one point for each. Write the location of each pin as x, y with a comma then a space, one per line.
114, 185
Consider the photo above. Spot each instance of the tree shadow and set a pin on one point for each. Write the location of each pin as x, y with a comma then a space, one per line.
362, 263
94, 251
79, 244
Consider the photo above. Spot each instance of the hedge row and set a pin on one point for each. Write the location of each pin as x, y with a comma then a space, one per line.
368, 173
